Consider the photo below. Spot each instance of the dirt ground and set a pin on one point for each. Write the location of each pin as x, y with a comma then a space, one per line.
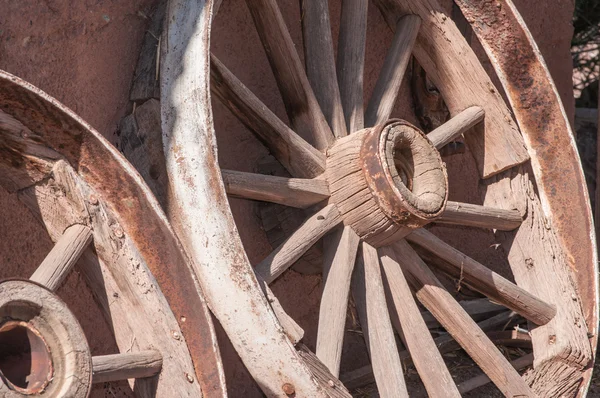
84, 54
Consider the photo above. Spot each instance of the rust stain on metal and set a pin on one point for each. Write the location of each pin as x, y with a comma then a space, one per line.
543, 123
122, 190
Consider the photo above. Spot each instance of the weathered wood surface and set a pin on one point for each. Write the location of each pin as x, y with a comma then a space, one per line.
293, 331
294, 192
392, 73
457, 322
131, 365
63, 256
423, 351
117, 276
203, 213
484, 280
482, 380
294, 153
351, 61
338, 264
334, 387
496, 144
320, 62
300, 102
477, 309
458, 125
369, 297
298, 243
471, 215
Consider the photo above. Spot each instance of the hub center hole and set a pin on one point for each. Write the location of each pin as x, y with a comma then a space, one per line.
25, 360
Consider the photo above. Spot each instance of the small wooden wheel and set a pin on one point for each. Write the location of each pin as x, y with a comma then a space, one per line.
372, 185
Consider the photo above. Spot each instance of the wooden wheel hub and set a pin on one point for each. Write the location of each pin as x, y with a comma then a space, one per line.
387, 181
47, 349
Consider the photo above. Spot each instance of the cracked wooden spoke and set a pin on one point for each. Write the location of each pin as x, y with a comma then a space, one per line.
300, 102
457, 322
298, 243
63, 256
369, 296
391, 75
470, 215
320, 62
425, 355
132, 365
292, 151
351, 61
484, 280
338, 264
294, 192
456, 126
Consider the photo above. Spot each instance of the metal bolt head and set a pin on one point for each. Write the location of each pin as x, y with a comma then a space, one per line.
288, 389
176, 335
189, 377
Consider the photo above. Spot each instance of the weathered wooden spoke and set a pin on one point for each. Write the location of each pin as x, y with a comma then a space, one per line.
391, 75
425, 355
294, 192
456, 126
294, 153
369, 296
455, 320
300, 102
132, 365
63, 256
351, 61
481, 380
320, 62
482, 279
296, 245
471, 215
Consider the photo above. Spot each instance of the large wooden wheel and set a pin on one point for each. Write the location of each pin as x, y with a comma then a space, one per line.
101, 216
372, 185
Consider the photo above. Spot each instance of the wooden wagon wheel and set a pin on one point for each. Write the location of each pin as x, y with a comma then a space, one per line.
371, 184
100, 215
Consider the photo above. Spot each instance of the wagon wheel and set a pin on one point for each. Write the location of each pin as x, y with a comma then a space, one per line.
372, 183
102, 217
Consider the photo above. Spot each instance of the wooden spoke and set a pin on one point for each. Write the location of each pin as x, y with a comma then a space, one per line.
453, 67
425, 355
300, 101
470, 215
481, 380
293, 331
63, 256
294, 153
133, 365
369, 296
364, 375
320, 62
456, 126
476, 309
391, 75
340, 256
294, 192
482, 279
296, 245
351, 61
456, 321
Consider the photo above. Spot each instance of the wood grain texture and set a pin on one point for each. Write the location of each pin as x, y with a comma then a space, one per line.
131, 365
294, 192
298, 243
334, 387
338, 264
477, 309
459, 124
482, 380
63, 256
471, 215
351, 61
425, 355
293, 331
300, 102
392, 73
496, 144
484, 280
369, 297
294, 153
457, 322
320, 62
